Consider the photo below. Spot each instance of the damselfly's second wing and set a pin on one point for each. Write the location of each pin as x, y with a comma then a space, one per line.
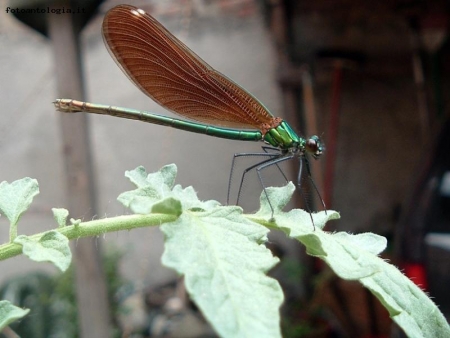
175, 77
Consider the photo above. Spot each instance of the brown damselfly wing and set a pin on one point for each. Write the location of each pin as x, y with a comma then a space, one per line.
174, 76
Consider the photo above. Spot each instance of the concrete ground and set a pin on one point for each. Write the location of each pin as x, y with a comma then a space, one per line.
234, 42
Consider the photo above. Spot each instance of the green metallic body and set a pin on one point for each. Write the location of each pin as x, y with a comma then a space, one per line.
282, 136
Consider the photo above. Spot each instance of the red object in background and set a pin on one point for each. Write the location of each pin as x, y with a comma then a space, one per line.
416, 272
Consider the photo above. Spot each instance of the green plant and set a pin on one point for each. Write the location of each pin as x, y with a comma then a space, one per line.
53, 300
221, 253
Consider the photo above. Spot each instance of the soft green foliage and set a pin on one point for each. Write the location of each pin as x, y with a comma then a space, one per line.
60, 215
51, 247
354, 257
407, 304
224, 263
221, 253
9, 313
52, 299
15, 198
157, 192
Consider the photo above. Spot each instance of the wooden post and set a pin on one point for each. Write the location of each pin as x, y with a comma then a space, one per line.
93, 308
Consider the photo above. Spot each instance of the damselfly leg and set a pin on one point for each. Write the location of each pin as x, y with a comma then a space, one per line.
275, 158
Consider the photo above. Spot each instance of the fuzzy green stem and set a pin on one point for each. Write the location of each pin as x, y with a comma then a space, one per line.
95, 228
12, 232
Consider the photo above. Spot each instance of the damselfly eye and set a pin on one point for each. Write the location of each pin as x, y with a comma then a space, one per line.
314, 146
311, 145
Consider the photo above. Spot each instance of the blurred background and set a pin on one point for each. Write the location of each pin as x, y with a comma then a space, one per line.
372, 79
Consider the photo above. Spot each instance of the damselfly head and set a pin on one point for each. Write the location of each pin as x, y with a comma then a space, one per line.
314, 146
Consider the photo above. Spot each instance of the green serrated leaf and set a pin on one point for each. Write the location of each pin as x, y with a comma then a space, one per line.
155, 187
60, 215
51, 247
151, 188
353, 257
368, 241
137, 176
294, 223
169, 206
165, 177
279, 198
15, 198
190, 201
407, 304
10, 313
348, 260
140, 200
224, 263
